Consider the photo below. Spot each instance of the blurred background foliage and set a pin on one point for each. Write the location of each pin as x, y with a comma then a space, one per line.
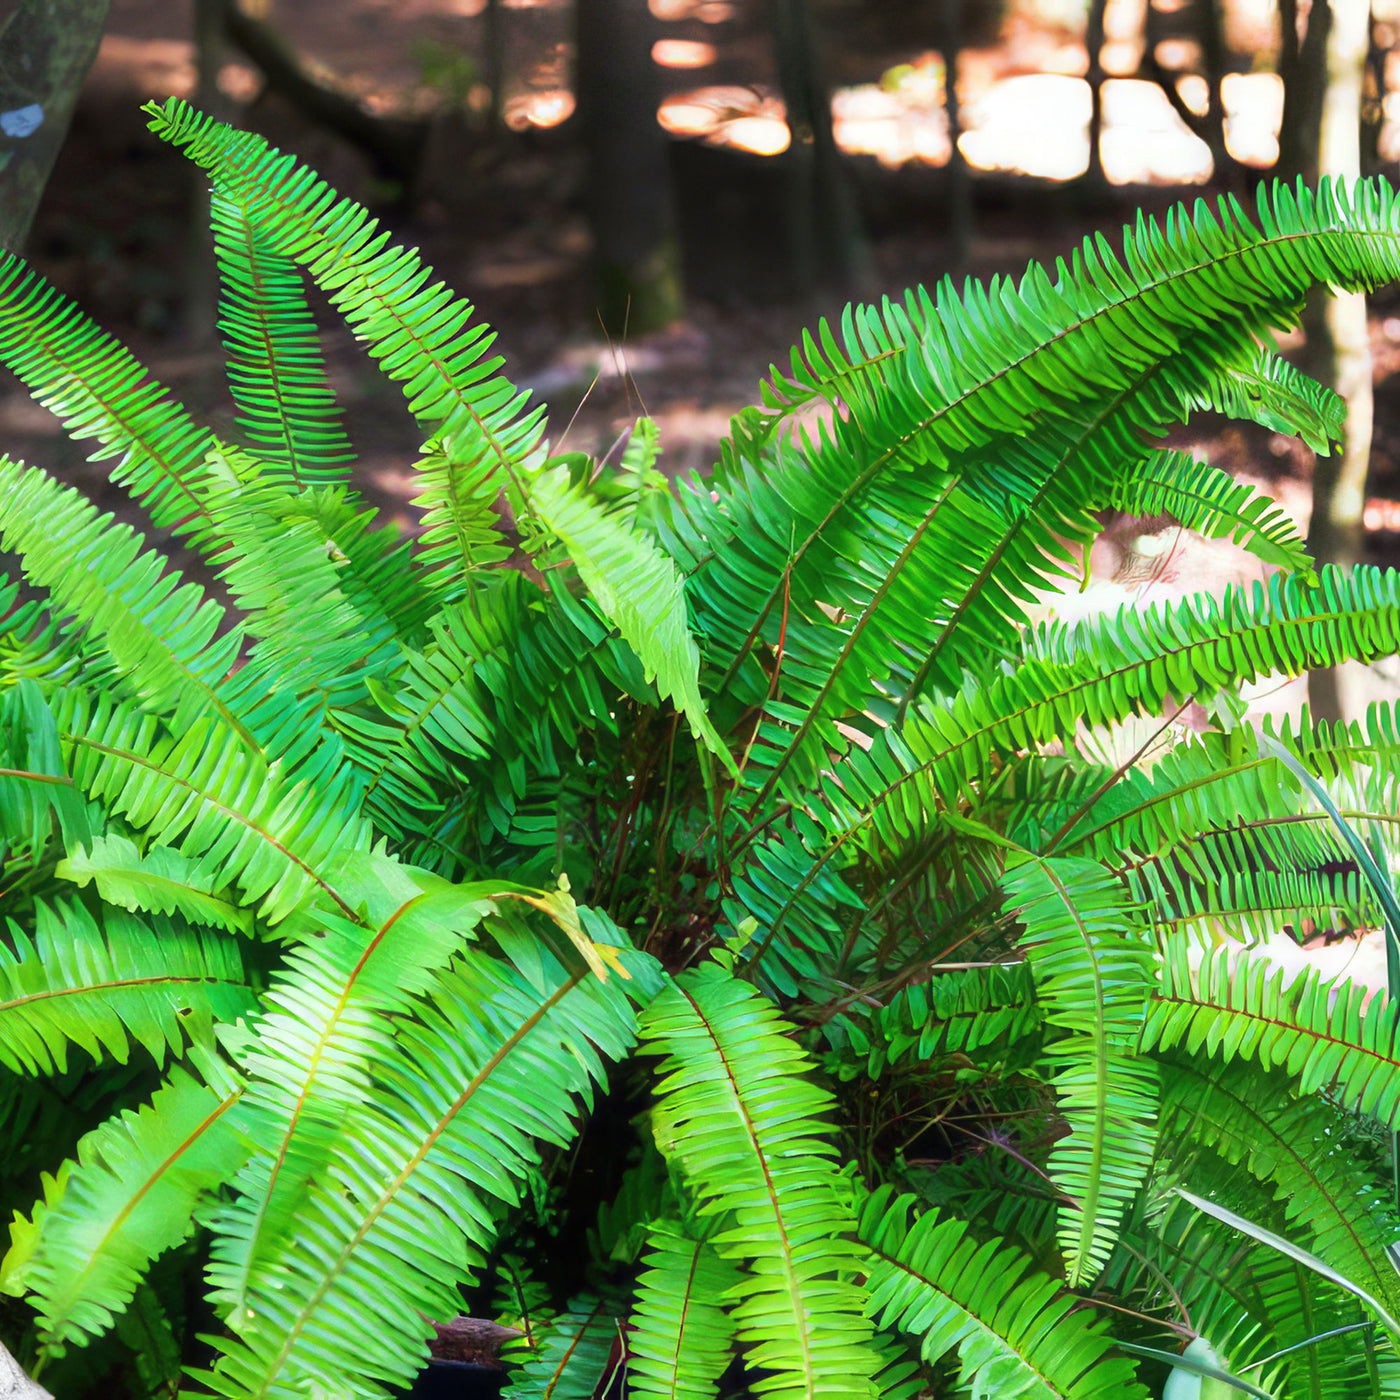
650, 198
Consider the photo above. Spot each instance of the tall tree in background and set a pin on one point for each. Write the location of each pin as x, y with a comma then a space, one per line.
825, 239
46, 49
1322, 136
635, 249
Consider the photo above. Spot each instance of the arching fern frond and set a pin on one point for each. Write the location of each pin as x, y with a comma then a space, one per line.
205, 794
34, 787
103, 988
162, 634
636, 587
99, 390
496, 1057
1276, 394
680, 1335
129, 1197
1015, 1329
420, 334
1203, 498
741, 1119
328, 1017
155, 881
1318, 1032
1288, 1142
569, 1359
1093, 974
275, 368
985, 367
956, 1012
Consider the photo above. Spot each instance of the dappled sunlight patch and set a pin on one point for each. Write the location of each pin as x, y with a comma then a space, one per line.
539, 109
748, 119
682, 53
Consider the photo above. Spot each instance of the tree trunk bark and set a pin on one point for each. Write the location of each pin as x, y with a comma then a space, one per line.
827, 244
1093, 42
635, 251
1213, 58
46, 49
960, 223
1303, 67
1339, 350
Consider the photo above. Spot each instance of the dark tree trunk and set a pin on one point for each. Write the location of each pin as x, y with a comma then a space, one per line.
1093, 42
827, 244
636, 254
495, 64
1303, 67
1338, 347
46, 49
959, 176
1210, 28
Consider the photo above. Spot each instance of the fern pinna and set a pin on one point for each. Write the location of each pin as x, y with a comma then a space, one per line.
732, 916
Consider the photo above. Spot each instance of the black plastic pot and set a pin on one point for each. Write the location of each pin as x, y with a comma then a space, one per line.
458, 1380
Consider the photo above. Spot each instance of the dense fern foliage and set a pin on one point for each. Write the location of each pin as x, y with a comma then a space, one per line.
702, 919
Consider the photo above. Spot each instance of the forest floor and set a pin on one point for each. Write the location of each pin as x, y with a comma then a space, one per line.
507, 230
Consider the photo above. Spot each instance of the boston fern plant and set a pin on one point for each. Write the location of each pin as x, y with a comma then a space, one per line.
710, 928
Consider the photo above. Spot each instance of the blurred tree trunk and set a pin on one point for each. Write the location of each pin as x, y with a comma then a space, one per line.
960, 227
46, 49
1303, 68
825, 238
1211, 32
1338, 347
1093, 42
635, 250
495, 65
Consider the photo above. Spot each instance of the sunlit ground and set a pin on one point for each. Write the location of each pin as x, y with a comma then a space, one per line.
1028, 124
1024, 101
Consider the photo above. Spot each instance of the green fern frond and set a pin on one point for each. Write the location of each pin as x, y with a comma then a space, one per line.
34, 787
206, 795
98, 390
145, 1328
1203, 498
495, 1057
635, 586
275, 368
462, 528
1276, 394
1216, 798
420, 334
157, 881
328, 1018
569, 1360
162, 634
1093, 974
1289, 1142
1095, 674
508, 687
378, 573
1243, 1006
738, 1115
985, 370
1250, 904
101, 988
1015, 1329
129, 1197
680, 1336
951, 1013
